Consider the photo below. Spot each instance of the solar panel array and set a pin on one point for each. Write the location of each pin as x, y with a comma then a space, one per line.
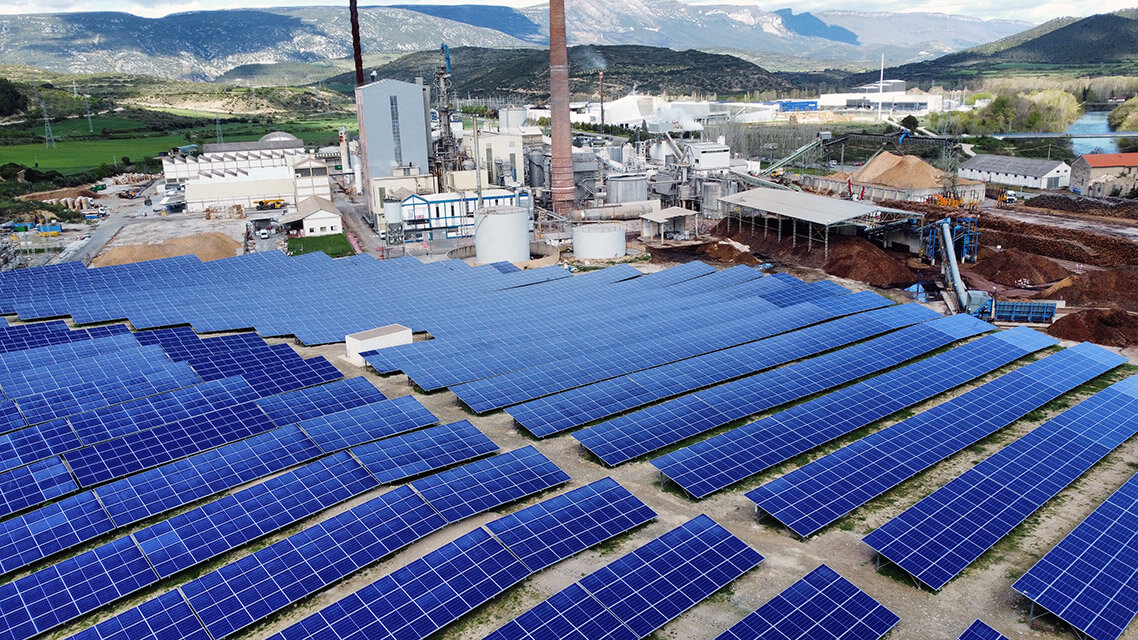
1088, 580
575, 407
722, 460
167, 616
980, 631
641, 591
813, 496
937, 538
821, 606
418, 452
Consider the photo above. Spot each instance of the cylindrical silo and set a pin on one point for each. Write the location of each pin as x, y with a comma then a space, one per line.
392, 211
712, 191
501, 233
627, 188
599, 241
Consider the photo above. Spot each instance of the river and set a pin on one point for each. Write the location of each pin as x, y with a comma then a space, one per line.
1092, 122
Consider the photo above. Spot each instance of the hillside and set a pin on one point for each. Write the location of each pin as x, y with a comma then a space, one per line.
525, 72
1098, 45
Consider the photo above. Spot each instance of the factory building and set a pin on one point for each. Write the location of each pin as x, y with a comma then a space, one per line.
314, 217
890, 96
276, 149
501, 154
438, 216
1105, 174
1018, 172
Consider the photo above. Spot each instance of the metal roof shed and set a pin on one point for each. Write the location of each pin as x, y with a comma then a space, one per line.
820, 213
657, 223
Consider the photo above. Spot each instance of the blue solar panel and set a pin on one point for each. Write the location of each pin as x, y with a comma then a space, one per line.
41, 533
1088, 580
253, 587
813, 496
640, 432
821, 606
555, 529
281, 378
413, 454
575, 407
164, 618
202, 533
172, 485
643, 590
34, 484
981, 631
152, 411
475, 487
420, 598
27, 445
718, 462
84, 396
10, 416
937, 538
116, 458
77, 586
65, 352
367, 422
103, 366
295, 406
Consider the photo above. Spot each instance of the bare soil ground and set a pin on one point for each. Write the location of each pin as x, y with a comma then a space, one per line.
166, 238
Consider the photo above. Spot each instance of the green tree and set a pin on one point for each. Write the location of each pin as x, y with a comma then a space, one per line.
910, 122
11, 100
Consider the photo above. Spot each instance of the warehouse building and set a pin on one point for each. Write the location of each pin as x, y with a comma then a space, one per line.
1105, 174
1033, 173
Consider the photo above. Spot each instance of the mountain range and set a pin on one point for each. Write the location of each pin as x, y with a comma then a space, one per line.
203, 45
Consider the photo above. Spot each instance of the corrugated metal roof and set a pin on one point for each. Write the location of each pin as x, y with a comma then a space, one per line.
1031, 167
804, 206
664, 215
1107, 160
309, 206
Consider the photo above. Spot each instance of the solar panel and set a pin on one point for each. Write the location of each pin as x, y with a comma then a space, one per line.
415, 453
41, 533
116, 458
364, 423
27, 445
34, 484
103, 366
207, 531
1088, 579
294, 406
65, 352
635, 434
722, 460
937, 538
564, 525
420, 598
163, 618
477, 486
10, 416
642, 590
178, 483
817, 494
821, 606
255, 586
981, 631
77, 586
575, 407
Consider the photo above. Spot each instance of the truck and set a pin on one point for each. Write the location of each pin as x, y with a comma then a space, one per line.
275, 203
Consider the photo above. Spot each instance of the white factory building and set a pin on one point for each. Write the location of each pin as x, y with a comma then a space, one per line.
437, 216
276, 149
1033, 173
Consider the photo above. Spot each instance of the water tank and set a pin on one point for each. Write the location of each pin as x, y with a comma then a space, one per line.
511, 117
712, 191
536, 169
501, 233
392, 211
598, 241
627, 188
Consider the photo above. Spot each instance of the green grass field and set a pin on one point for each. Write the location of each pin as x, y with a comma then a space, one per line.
336, 246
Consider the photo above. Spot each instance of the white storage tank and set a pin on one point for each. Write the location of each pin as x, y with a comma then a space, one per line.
599, 241
392, 211
501, 233
627, 188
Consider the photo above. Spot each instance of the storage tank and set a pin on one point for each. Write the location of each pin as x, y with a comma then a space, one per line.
392, 211
712, 191
501, 233
511, 117
599, 241
627, 188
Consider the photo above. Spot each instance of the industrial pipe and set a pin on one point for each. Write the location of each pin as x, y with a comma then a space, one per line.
621, 211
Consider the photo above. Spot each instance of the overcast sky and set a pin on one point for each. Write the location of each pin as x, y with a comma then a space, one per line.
1029, 10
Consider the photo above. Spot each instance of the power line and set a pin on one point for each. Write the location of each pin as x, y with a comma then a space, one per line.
48, 138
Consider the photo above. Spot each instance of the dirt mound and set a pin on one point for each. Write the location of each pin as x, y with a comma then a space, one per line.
1109, 207
1098, 289
57, 194
859, 259
728, 251
1015, 268
206, 246
1111, 327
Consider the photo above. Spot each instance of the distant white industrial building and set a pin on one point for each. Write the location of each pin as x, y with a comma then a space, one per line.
314, 217
1020, 172
437, 216
276, 149
889, 96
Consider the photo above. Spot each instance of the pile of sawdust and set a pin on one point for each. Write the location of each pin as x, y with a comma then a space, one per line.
860, 259
1107, 288
206, 246
1111, 327
57, 194
1014, 268
901, 172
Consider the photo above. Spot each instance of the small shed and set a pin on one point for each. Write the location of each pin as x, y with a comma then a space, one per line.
372, 339
314, 217
656, 225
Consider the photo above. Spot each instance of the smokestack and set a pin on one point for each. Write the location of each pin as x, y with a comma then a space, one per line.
354, 10
602, 99
562, 180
